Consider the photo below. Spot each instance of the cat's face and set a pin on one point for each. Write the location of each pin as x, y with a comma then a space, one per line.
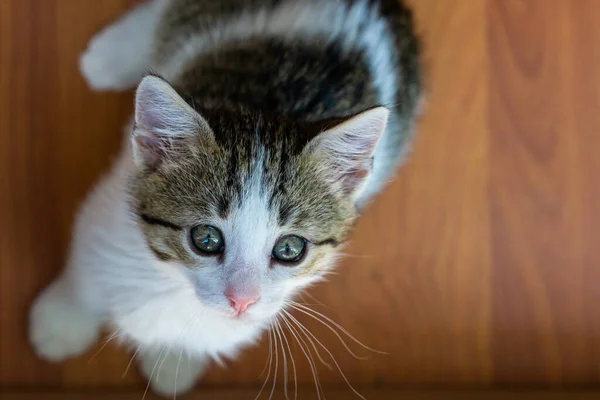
249, 209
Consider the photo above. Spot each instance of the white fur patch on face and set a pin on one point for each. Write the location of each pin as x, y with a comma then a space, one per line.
250, 231
252, 226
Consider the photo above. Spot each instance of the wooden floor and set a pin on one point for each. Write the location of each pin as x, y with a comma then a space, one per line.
481, 263
229, 394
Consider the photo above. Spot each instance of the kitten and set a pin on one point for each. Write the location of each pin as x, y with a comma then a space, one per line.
263, 130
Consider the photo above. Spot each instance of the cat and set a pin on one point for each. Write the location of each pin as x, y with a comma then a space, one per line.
261, 130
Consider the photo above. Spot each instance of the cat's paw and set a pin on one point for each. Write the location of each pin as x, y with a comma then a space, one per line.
58, 329
173, 374
118, 57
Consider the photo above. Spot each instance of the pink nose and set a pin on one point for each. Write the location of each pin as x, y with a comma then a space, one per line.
241, 304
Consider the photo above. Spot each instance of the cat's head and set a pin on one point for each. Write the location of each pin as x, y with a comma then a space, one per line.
250, 208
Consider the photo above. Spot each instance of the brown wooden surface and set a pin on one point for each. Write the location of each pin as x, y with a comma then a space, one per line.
385, 394
479, 265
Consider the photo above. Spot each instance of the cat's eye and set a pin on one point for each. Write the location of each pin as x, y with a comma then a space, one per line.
207, 239
289, 248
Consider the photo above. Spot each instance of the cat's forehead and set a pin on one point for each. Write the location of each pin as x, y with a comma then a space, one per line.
259, 158
251, 222
244, 130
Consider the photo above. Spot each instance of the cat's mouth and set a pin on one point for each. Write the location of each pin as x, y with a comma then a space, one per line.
231, 314
240, 317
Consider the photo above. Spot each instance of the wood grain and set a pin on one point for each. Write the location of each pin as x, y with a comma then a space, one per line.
479, 265
543, 190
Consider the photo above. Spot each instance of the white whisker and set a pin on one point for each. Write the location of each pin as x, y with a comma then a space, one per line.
334, 331
113, 336
308, 311
307, 354
183, 330
162, 362
313, 298
330, 355
285, 367
177, 373
287, 343
312, 343
270, 361
359, 256
152, 373
131, 361
276, 350
269, 356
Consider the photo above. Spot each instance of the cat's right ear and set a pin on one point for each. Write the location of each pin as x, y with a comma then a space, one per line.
164, 123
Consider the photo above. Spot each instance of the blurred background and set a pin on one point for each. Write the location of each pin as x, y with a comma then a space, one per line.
479, 267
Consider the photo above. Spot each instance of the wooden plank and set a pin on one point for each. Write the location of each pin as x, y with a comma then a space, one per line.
543, 191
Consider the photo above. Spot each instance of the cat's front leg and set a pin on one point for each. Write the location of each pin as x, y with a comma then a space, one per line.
60, 326
67, 315
171, 372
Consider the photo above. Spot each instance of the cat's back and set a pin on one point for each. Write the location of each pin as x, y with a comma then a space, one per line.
310, 59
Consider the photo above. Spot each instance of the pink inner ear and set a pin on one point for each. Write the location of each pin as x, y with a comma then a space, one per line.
152, 150
352, 179
148, 117
346, 150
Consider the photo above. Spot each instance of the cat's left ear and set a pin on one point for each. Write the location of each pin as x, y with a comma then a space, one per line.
345, 152
165, 124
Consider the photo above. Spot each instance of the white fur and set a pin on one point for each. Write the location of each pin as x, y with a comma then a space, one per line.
60, 327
